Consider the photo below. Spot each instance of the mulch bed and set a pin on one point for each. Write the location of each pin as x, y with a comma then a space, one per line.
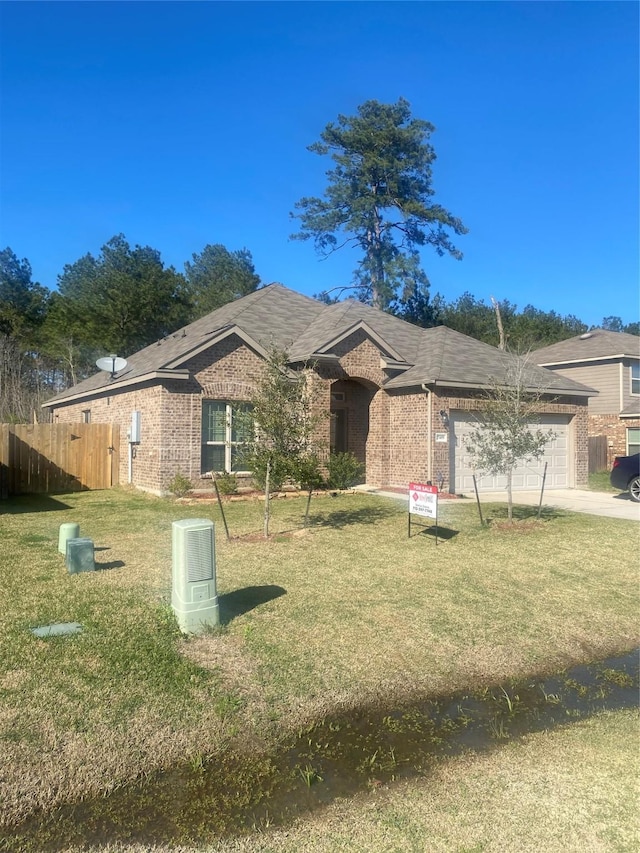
210, 496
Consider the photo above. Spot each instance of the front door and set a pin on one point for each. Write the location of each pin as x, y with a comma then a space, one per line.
338, 439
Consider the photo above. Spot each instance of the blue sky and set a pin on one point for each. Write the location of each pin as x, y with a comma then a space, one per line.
182, 124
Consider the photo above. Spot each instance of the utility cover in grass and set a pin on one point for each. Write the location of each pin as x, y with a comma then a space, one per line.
58, 630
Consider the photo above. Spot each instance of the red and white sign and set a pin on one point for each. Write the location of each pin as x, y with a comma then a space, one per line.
423, 500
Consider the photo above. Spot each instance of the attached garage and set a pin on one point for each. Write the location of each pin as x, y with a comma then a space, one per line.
527, 476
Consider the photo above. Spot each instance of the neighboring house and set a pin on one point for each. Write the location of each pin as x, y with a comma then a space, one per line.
610, 363
399, 397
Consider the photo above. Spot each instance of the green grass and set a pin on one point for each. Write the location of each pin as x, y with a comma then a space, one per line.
348, 612
599, 482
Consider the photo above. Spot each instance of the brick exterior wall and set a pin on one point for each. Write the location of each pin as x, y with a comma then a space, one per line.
388, 431
408, 438
171, 414
615, 428
116, 407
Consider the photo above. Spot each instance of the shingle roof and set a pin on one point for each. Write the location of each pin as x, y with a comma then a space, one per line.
596, 344
632, 410
447, 357
272, 316
275, 316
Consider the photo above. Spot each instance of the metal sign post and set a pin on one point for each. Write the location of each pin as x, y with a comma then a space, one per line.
423, 501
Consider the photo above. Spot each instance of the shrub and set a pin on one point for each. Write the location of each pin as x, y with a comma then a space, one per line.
180, 485
227, 484
344, 470
307, 473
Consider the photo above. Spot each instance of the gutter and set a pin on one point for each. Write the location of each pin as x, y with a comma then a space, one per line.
567, 392
584, 360
96, 392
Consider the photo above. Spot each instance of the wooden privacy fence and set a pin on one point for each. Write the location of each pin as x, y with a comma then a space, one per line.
598, 453
44, 458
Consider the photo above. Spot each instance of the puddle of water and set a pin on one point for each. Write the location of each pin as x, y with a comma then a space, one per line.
335, 757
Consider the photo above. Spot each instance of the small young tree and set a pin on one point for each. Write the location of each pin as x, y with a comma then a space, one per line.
283, 443
506, 433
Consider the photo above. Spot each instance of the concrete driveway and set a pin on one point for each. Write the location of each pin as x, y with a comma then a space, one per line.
608, 504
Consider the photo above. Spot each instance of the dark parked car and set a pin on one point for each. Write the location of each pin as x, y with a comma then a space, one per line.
625, 475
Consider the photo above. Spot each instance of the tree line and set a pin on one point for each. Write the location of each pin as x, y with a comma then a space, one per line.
118, 301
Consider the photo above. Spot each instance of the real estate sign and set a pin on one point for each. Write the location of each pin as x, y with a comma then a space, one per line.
423, 500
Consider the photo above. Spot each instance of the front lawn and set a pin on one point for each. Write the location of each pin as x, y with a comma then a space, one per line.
348, 613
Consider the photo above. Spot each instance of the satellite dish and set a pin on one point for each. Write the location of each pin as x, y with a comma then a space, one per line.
112, 364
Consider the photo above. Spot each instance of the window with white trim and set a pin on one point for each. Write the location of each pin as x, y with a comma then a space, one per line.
225, 429
635, 378
633, 440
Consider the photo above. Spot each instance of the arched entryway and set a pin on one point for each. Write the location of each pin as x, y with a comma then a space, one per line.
349, 428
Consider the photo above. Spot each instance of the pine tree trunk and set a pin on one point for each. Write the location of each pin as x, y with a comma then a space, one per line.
375, 263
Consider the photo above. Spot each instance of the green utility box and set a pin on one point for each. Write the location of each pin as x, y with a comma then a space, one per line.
67, 531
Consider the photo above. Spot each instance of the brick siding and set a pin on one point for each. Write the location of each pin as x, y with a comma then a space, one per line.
171, 414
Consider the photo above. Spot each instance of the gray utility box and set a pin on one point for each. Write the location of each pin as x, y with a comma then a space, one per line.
80, 556
193, 590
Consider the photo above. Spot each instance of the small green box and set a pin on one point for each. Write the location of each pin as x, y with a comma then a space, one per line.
67, 531
80, 556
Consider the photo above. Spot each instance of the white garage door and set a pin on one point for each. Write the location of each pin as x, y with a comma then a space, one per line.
526, 476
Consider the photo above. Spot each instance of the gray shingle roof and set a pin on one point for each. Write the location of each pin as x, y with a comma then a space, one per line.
596, 344
275, 316
632, 410
272, 316
447, 357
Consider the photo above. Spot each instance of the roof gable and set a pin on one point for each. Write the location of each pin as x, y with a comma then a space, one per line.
221, 335
343, 334
272, 316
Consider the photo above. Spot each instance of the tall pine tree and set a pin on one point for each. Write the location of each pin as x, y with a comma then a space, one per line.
379, 198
